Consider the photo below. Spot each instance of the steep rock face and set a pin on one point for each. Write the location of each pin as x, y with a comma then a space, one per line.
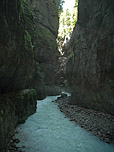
16, 51
93, 46
14, 109
17, 67
45, 15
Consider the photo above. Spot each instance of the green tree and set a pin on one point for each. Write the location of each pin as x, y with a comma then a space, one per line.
67, 21
75, 12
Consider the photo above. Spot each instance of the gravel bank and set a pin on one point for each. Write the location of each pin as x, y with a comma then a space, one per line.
100, 124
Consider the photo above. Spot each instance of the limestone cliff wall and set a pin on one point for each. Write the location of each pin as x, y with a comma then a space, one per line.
92, 45
45, 13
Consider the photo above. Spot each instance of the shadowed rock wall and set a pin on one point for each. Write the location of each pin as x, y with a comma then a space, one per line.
14, 109
92, 44
26, 39
45, 13
17, 65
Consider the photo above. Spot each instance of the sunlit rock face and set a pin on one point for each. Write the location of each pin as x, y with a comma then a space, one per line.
92, 45
16, 52
45, 15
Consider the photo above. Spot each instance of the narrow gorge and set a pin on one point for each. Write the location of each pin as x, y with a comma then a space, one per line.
31, 67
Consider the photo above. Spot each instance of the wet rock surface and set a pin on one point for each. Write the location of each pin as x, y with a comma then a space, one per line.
100, 124
13, 145
14, 109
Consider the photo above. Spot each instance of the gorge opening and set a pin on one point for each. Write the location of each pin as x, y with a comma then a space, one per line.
68, 15
67, 20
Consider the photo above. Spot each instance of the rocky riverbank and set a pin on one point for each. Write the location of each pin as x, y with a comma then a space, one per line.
100, 124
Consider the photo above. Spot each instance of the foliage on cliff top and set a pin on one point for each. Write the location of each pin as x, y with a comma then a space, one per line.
67, 21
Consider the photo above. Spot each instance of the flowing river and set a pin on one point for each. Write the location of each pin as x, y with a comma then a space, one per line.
48, 130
